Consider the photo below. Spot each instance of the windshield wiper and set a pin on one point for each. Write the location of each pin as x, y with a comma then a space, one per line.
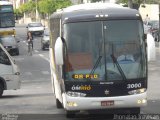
96, 65
98, 60
114, 59
118, 66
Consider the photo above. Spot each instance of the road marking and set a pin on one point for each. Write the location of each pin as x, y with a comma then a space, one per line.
34, 82
18, 59
41, 55
44, 57
28, 73
45, 72
36, 51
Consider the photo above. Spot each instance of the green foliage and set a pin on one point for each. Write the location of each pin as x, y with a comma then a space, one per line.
153, 1
28, 7
95, 0
140, 1
18, 14
46, 6
17, 11
62, 3
50, 6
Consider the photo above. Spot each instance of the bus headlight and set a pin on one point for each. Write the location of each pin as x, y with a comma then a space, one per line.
138, 91
72, 104
76, 94
143, 101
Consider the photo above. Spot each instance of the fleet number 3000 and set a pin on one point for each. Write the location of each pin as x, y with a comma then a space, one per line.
136, 85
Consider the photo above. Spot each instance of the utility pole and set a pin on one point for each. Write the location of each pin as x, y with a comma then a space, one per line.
24, 15
37, 15
159, 24
130, 3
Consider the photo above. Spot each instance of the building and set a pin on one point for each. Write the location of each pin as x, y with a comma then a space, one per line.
151, 9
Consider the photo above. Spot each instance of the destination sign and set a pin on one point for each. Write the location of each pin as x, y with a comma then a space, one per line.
6, 8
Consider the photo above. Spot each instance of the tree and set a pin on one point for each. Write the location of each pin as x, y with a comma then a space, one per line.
46, 6
28, 7
62, 3
50, 6
18, 14
136, 3
96, 0
140, 1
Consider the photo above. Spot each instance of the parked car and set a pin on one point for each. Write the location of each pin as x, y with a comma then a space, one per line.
36, 28
9, 72
10, 43
45, 39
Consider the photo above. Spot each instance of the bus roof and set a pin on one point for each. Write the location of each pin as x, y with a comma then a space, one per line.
92, 9
91, 6
5, 3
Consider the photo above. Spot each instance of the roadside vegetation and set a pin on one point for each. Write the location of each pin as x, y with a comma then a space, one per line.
44, 7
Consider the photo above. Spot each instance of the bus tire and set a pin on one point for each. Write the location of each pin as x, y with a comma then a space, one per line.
58, 104
1, 89
70, 114
17, 51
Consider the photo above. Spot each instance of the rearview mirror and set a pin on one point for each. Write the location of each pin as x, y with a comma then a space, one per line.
151, 50
59, 51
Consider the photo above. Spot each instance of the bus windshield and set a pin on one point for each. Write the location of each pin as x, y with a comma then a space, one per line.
104, 50
7, 20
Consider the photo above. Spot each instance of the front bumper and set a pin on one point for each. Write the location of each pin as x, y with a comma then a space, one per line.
11, 48
45, 43
93, 103
37, 32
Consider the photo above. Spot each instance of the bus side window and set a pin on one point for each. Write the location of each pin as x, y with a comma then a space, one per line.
4, 58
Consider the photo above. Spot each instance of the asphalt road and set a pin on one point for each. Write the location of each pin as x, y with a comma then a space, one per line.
35, 100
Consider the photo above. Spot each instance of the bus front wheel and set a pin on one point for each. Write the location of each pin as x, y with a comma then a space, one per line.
1, 90
58, 104
70, 114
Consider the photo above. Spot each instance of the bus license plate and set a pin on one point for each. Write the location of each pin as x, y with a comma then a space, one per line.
107, 103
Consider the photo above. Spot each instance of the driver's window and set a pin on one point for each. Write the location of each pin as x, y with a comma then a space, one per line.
4, 58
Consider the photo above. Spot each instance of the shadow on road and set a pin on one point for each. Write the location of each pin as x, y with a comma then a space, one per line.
26, 95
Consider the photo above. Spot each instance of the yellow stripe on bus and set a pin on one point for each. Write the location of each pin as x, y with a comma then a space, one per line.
3, 33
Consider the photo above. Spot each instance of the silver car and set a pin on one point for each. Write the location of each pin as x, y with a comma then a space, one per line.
36, 28
10, 44
45, 39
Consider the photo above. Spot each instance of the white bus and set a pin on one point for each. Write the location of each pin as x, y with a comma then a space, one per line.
7, 19
98, 58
